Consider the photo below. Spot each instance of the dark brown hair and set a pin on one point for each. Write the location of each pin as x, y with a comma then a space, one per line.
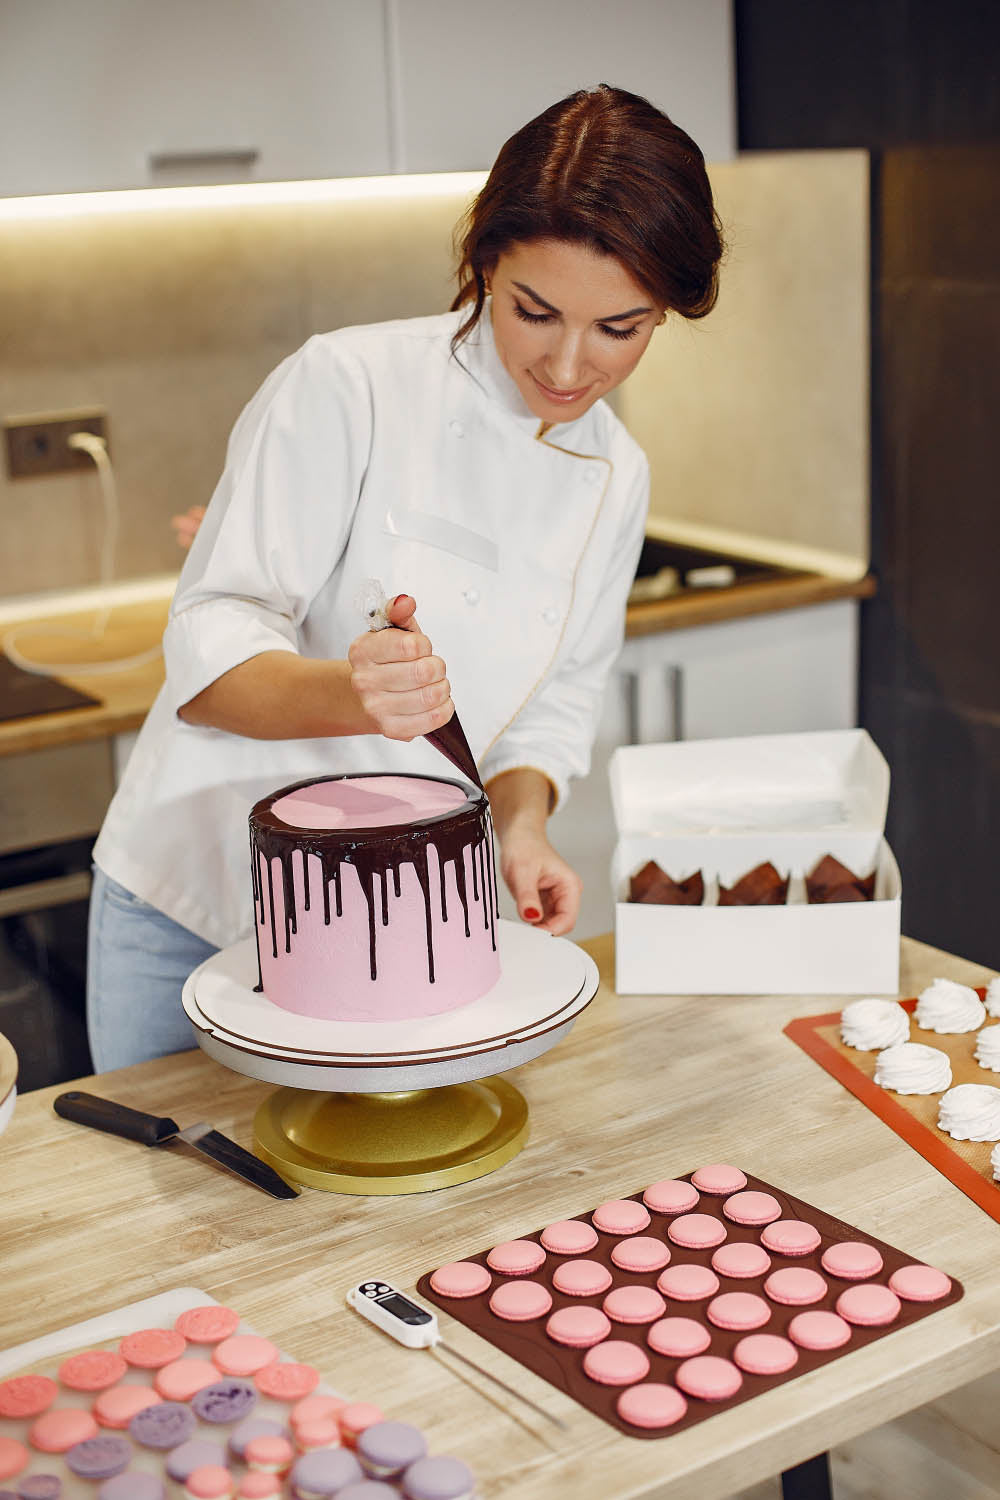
605, 169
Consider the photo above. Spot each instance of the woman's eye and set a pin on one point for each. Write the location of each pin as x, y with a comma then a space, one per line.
620, 333
530, 317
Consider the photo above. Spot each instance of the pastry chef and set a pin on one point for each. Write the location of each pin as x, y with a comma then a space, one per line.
469, 463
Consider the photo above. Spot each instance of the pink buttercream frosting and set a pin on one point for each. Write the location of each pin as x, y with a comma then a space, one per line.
367, 802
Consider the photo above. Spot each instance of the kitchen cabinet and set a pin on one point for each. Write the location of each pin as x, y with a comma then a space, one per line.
134, 93
794, 670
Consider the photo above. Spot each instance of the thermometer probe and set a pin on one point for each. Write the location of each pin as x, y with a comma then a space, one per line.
416, 1327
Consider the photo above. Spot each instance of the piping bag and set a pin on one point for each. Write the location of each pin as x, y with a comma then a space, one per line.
450, 738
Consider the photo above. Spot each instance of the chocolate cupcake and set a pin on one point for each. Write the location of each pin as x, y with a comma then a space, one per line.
761, 886
651, 886
832, 881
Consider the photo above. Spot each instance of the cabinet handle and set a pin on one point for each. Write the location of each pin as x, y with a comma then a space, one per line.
630, 692
239, 159
675, 698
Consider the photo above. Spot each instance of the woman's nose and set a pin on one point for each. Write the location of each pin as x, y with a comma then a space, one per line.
566, 362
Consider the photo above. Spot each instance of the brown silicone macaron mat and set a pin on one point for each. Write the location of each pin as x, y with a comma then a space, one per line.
912, 1116
563, 1367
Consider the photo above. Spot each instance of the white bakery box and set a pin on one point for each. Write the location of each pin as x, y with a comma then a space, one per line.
725, 806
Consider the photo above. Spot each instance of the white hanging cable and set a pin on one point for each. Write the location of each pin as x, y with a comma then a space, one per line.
87, 442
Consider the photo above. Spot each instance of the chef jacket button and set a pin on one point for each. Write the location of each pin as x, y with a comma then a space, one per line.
471, 596
456, 428
550, 615
592, 475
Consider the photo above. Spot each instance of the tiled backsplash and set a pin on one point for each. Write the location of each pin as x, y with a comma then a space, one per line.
169, 320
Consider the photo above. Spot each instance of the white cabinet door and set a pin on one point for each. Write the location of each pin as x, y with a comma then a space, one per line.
93, 95
467, 75
770, 674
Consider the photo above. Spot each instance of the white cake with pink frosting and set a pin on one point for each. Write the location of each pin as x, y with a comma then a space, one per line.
374, 896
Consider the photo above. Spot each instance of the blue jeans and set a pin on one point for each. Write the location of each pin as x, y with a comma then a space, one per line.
137, 962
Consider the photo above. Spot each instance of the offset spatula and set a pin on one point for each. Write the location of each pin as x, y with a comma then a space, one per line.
156, 1130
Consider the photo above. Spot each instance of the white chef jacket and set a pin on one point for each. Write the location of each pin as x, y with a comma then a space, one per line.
374, 452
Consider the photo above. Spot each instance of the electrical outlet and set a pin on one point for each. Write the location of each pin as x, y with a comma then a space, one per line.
39, 445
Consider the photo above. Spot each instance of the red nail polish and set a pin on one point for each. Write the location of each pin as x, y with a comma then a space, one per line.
398, 597
531, 914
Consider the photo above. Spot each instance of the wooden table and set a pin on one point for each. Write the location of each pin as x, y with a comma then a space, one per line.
643, 1088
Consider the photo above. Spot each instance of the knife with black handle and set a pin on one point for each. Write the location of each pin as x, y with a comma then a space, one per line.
156, 1130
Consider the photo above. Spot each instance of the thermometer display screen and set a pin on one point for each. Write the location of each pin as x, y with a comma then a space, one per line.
407, 1312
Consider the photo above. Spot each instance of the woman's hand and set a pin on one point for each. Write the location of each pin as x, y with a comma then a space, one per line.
546, 889
399, 681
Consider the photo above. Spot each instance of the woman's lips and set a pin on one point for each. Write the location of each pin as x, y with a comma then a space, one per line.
562, 398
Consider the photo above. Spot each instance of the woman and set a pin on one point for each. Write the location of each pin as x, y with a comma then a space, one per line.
466, 461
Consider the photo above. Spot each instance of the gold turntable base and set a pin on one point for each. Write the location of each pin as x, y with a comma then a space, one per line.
384, 1144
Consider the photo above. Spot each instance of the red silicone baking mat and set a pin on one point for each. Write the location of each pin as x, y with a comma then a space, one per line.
912, 1116
562, 1367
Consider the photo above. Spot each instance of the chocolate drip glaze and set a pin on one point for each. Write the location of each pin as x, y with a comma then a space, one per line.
374, 853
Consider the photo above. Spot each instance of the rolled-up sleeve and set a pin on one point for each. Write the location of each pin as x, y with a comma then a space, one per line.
554, 731
278, 521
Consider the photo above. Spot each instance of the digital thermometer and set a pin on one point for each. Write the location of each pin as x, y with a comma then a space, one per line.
417, 1327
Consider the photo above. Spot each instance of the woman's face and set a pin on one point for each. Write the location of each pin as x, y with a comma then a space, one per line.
569, 324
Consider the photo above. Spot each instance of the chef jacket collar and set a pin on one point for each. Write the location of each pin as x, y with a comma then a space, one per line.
478, 356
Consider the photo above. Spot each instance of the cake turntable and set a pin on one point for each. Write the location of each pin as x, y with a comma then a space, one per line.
382, 1108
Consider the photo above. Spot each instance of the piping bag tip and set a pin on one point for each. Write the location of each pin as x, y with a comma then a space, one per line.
451, 742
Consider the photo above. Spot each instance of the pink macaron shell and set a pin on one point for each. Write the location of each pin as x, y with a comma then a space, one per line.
14, 1457
520, 1301
93, 1370
579, 1327
256, 1485
919, 1283
621, 1216
581, 1278
741, 1259
688, 1283
634, 1304
24, 1396
116, 1407
58, 1431
183, 1378
869, 1305
795, 1286
207, 1325
152, 1348
818, 1330
315, 1409
286, 1380
738, 1310
271, 1454
461, 1278
679, 1338
355, 1417
719, 1178
765, 1354
323, 1432
651, 1404
569, 1237
697, 1231
671, 1196
244, 1354
209, 1482
641, 1253
615, 1362
752, 1208
791, 1237
516, 1258
709, 1377
852, 1260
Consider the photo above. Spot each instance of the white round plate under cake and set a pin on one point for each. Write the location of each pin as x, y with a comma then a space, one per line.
545, 983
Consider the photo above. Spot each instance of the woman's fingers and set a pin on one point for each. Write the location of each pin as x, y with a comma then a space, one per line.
547, 890
403, 687
401, 612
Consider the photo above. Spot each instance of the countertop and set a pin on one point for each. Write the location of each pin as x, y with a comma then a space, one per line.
133, 627
643, 1088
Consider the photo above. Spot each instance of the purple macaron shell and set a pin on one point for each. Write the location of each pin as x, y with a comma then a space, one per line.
132, 1485
390, 1447
438, 1479
324, 1471
40, 1487
193, 1455
369, 1489
224, 1401
251, 1428
165, 1425
100, 1457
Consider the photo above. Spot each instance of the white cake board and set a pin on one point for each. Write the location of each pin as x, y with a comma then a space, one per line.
545, 983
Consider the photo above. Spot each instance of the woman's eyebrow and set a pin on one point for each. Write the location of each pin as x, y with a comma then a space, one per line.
633, 312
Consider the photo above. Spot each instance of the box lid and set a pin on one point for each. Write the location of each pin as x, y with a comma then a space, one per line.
836, 779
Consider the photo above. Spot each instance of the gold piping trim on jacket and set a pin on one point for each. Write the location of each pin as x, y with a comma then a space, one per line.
589, 458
